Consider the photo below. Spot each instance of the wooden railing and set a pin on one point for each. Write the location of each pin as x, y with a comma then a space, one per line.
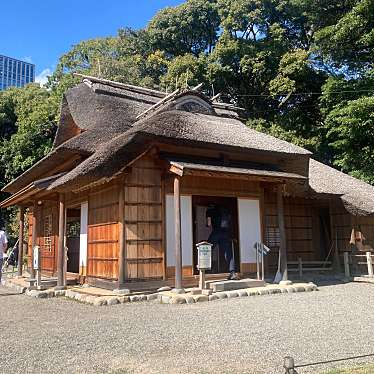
368, 261
302, 266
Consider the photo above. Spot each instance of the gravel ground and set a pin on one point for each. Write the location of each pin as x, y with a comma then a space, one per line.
247, 335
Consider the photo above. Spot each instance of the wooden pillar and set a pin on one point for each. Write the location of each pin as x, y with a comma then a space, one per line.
178, 239
334, 239
346, 264
21, 239
61, 243
34, 238
282, 233
122, 276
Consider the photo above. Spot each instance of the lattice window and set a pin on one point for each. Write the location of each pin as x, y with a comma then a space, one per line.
272, 237
48, 232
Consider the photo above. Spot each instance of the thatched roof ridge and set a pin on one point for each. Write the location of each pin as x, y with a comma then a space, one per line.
210, 129
356, 195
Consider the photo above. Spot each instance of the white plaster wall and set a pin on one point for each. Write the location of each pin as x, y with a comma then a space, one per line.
186, 230
249, 228
83, 235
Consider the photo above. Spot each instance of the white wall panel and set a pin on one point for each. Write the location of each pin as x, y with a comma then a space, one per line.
249, 228
186, 230
83, 235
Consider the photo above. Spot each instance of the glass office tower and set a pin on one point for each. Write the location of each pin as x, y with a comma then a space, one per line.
15, 73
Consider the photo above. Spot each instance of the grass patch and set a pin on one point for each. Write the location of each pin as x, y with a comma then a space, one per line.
365, 369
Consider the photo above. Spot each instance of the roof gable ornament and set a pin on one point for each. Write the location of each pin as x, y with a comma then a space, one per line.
189, 101
193, 104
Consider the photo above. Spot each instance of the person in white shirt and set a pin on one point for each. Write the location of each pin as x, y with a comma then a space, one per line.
3, 248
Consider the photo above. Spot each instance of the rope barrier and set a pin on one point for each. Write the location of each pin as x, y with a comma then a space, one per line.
289, 362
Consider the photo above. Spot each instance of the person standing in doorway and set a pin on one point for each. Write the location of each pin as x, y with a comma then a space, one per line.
219, 219
3, 249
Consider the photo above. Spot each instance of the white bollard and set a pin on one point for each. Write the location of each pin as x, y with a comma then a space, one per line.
369, 263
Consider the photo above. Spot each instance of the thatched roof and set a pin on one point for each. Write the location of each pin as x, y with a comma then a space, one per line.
356, 195
210, 129
103, 128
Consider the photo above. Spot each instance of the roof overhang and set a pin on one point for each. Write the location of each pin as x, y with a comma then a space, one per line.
29, 191
206, 170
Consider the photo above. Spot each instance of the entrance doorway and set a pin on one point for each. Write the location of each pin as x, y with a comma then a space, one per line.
325, 234
203, 207
73, 228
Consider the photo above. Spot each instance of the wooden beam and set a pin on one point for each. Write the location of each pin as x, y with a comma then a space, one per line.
175, 169
159, 103
61, 241
21, 239
178, 239
282, 233
122, 276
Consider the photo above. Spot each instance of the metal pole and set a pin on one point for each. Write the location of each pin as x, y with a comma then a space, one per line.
20, 239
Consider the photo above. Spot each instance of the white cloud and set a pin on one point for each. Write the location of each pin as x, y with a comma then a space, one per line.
42, 77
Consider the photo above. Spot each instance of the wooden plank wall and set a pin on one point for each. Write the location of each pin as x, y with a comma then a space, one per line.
341, 222
298, 223
143, 221
366, 225
102, 256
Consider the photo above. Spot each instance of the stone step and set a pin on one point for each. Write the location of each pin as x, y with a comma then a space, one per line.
228, 285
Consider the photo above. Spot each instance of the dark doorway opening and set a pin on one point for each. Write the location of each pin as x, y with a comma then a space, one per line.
201, 231
73, 226
325, 234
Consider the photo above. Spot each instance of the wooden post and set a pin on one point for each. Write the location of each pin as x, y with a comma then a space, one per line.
202, 279
61, 242
282, 233
122, 276
262, 262
178, 239
20, 239
334, 239
300, 261
369, 263
34, 238
346, 265
257, 261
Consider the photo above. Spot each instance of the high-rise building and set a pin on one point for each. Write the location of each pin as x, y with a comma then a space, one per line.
15, 73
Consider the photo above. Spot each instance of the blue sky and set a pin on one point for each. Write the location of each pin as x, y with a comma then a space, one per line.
40, 31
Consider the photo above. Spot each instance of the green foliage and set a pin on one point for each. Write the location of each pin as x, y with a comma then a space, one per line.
348, 43
28, 123
33, 122
302, 70
191, 27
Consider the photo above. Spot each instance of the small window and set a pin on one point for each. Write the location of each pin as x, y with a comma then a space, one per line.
48, 233
272, 237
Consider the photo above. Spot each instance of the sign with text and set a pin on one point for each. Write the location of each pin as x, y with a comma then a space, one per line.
204, 255
35, 256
